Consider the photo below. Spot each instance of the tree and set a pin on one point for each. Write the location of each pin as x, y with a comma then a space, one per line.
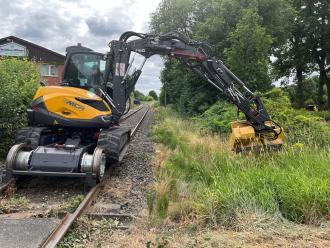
213, 21
309, 94
189, 94
220, 18
247, 56
308, 45
183, 87
291, 56
315, 15
138, 95
173, 15
153, 94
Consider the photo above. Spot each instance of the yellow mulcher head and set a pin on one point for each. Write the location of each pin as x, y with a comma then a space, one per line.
244, 137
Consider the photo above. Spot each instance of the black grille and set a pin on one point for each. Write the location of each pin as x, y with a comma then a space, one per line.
99, 105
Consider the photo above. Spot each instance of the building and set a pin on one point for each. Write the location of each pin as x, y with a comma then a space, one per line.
51, 63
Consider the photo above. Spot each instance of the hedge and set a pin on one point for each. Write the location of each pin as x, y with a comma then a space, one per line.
19, 80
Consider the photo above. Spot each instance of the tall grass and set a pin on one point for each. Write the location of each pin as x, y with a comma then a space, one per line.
199, 176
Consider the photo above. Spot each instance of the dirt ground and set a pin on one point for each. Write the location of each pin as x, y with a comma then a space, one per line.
261, 231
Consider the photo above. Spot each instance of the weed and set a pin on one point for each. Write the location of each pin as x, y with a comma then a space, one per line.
7, 205
71, 204
86, 231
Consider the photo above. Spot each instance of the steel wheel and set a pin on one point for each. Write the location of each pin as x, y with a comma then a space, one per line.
12, 155
98, 164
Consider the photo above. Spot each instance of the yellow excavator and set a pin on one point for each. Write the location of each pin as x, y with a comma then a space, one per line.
74, 128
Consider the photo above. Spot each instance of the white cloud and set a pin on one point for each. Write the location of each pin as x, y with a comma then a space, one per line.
56, 24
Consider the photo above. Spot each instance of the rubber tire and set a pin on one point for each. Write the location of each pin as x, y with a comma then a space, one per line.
30, 136
112, 141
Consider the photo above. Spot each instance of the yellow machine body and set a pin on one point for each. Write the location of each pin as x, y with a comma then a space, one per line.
244, 138
69, 106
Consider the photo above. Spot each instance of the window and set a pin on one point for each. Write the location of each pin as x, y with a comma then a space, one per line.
48, 70
85, 70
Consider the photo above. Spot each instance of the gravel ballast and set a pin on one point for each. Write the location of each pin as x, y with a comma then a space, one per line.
126, 184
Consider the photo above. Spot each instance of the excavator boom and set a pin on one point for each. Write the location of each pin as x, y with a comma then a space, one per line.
257, 131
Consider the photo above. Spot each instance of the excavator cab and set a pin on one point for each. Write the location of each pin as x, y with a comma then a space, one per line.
84, 69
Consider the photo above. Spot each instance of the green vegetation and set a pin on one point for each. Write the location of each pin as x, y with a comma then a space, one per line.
71, 204
247, 51
19, 80
300, 126
138, 95
88, 232
199, 176
181, 85
7, 205
153, 94
245, 35
148, 99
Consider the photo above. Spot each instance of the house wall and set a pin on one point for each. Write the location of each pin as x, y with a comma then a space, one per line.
54, 80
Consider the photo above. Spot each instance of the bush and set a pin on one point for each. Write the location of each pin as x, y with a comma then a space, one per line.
19, 80
147, 99
300, 126
217, 117
153, 94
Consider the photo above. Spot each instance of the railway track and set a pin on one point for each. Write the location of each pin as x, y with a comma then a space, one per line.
131, 120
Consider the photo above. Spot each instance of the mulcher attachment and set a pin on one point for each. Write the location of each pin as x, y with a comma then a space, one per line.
245, 138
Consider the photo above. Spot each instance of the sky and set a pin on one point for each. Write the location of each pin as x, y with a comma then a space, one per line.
56, 24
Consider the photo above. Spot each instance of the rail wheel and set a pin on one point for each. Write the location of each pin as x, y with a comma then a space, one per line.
99, 162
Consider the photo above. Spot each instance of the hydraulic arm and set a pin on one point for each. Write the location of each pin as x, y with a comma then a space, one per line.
258, 129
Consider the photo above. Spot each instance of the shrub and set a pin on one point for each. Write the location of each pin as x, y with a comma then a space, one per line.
217, 117
300, 126
19, 80
147, 98
153, 94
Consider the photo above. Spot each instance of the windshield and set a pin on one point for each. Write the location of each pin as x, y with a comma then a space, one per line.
85, 71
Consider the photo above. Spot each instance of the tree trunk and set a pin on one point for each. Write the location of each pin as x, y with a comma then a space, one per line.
320, 92
300, 87
326, 80
323, 80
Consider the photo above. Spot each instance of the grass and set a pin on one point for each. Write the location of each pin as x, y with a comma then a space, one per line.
86, 231
7, 205
71, 204
199, 177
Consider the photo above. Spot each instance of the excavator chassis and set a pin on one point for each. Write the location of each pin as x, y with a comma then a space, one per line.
68, 157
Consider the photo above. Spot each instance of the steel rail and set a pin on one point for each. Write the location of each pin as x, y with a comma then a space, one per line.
58, 233
139, 123
129, 114
65, 224
6, 185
